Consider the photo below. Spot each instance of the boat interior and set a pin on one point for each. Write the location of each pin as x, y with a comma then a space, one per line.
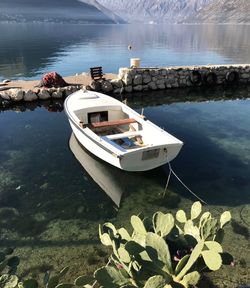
113, 125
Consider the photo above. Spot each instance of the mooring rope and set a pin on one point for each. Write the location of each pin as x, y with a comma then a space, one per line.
243, 218
171, 171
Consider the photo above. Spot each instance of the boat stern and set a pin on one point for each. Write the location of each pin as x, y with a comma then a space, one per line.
150, 157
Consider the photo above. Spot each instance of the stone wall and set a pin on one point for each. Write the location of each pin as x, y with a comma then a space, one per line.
10, 96
141, 79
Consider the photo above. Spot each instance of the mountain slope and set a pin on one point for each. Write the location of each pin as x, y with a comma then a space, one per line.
224, 11
105, 11
181, 11
51, 10
171, 11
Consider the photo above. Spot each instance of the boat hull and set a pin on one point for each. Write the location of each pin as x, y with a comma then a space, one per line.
94, 148
132, 161
157, 148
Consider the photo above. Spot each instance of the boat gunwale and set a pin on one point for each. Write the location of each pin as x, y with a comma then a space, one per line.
115, 149
122, 151
86, 134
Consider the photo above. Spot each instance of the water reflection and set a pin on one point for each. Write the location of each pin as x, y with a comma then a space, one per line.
28, 50
113, 181
106, 176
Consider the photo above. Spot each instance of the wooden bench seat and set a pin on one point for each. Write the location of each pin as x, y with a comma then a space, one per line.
123, 135
96, 73
113, 123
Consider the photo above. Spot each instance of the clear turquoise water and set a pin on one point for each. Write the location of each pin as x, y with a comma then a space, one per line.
50, 207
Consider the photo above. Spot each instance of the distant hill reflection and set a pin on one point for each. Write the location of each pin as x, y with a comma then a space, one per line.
27, 50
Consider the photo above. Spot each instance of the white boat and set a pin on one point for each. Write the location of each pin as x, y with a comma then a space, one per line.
117, 134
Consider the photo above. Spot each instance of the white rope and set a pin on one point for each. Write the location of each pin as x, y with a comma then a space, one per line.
171, 171
166, 187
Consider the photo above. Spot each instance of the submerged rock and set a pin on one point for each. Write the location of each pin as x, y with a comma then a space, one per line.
7, 178
8, 213
39, 217
44, 186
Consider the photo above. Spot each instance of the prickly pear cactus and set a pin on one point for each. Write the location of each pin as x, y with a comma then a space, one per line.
143, 258
8, 281
201, 226
196, 210
190, 279
163, 223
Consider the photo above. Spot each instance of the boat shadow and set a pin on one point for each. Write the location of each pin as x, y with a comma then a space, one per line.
116, 183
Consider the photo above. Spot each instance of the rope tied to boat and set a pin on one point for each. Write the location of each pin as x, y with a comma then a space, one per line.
171, 171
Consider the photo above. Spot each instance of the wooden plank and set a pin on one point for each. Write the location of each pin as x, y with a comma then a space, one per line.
113, 123
123, 135
96, 72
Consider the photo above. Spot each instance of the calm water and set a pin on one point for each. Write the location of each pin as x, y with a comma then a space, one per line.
28, 50
50, 207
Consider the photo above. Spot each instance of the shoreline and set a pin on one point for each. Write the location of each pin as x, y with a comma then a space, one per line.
82, 79
129, 80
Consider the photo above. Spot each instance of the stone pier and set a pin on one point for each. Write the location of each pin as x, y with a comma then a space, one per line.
133, 80
141, 79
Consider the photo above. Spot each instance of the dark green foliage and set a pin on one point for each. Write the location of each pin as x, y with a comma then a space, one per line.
82, 280
30, 283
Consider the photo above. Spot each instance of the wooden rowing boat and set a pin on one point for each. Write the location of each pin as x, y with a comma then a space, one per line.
117, 134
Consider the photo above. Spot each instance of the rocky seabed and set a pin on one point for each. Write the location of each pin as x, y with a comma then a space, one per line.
141, 79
